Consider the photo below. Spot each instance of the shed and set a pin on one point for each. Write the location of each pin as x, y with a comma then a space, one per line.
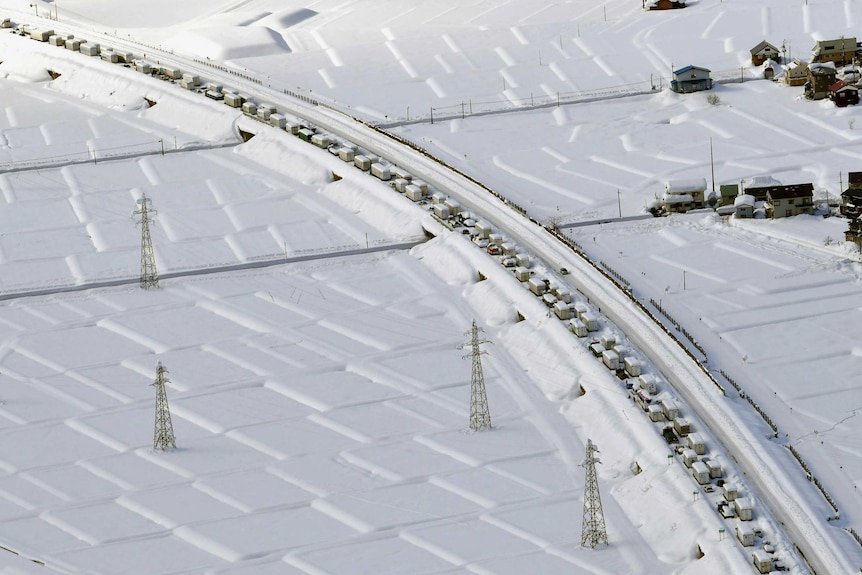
700, 472
577, 327
764, 51
745, 534
691, 79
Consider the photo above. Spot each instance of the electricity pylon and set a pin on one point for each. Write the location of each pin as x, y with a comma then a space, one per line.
163, 437
480, 417
593, 532
149, 275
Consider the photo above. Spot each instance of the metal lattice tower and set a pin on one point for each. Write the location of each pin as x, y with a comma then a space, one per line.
480, 417
594, 532
149, 275
163, 437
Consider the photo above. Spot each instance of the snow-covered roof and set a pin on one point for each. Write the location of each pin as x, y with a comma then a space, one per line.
744, 200
760, 182
685, 185
677, 198
763, 45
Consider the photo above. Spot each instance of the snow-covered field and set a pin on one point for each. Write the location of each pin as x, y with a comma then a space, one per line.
320, 404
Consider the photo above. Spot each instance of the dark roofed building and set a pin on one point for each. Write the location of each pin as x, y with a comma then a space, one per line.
691, 79
843, 94
785, 201
851, 198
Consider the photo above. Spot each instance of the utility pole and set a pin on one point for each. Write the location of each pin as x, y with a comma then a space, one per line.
163, 436
593, 533
480, 417
619, 203
712, 164
149, 275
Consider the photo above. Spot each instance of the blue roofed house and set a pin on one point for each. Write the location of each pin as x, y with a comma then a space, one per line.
691, 79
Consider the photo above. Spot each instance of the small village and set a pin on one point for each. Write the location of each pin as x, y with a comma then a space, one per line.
833, 73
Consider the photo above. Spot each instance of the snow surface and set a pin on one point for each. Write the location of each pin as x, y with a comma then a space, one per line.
320, 405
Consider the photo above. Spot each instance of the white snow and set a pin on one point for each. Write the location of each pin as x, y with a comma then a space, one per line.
320, 403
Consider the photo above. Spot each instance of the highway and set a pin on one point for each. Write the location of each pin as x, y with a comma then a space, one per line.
762, 471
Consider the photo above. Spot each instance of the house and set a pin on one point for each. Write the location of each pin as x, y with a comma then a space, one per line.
854, 232
785, 201
728, 194
683, 195
796, 73
851, 198
666, 4
691, 79
744, 206
840, 51
843, 94
763, 52
820, 78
